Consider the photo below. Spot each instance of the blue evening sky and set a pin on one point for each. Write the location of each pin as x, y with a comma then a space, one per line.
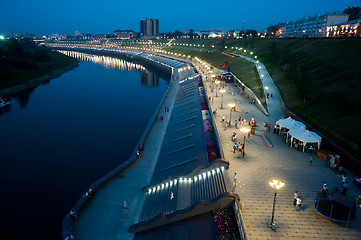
65, 16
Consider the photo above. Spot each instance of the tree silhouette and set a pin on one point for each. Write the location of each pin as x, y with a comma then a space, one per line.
354, 12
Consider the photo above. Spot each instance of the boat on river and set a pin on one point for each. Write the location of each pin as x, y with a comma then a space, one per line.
4, 103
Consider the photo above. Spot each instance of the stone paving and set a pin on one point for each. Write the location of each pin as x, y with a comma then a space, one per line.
262, 164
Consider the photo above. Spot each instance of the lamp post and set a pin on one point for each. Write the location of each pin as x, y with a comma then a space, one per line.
216, 82
245, 130
276, 185
231, 105
222, 91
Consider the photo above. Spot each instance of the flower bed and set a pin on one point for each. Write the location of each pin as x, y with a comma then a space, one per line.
226, 225
212, 153
209, 135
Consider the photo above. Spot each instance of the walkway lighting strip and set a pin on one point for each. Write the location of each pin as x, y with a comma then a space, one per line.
201, 176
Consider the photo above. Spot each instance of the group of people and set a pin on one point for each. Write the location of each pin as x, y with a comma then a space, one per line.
297, 201
266, 127
343, 184
140, 148
238, 147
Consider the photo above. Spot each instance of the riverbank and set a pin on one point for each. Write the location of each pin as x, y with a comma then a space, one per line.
36, 82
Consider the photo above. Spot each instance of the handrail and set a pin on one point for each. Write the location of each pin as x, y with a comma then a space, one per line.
239, 218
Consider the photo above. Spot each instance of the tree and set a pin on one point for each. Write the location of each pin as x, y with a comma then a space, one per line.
272, 30
16, 49
250, 33
354, 12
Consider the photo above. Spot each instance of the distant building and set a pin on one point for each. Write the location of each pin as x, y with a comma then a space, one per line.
211, 33
233, 33
346, 29
315, 26
124, 34
149, 27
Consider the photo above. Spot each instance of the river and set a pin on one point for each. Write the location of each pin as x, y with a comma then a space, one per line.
63, 135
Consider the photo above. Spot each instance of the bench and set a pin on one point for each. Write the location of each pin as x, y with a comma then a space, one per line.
244, 110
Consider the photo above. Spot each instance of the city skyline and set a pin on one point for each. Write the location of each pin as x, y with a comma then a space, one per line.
43, 17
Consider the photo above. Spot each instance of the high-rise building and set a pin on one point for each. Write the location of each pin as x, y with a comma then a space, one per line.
149, 27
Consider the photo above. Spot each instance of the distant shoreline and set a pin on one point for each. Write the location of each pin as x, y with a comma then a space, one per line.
37, 81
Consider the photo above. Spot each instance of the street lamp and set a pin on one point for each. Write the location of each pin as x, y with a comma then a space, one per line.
276, 185
231, 105
245, 131
222, 91
216, 82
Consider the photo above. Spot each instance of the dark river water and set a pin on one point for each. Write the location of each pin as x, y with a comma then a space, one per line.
62, 136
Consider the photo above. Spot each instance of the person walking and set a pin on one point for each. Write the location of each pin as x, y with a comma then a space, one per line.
345, 187
298, 203
223, 118
311, 160
324, 189
295, 196
171, 195
125, 204
234, 147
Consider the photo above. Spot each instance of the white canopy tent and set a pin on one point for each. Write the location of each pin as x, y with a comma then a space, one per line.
289, 123
304, 136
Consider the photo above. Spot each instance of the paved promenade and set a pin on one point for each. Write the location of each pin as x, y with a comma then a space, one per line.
262, 164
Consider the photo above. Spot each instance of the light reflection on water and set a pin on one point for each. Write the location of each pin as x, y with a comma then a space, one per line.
63, 135
109, 62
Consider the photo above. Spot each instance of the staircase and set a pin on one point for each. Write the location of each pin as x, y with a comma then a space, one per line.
187, 193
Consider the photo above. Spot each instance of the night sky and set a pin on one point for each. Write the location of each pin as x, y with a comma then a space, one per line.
45, 17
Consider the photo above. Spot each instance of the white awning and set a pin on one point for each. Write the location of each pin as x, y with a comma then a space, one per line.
304, 136
289, 123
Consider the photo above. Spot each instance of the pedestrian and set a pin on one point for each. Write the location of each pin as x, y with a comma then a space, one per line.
125, 204
311, 160
343, 178
324, 160
298, 203
345, 188
138, 154
234, 179
269, 127
223, 118
167, 109
271, 95
234, 148
235, 123
156, 118
235, 137
89, 194
73, 214
324, 189
171, 195
226, 124
295, 196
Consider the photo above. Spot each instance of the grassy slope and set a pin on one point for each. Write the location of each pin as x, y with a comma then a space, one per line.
243, 69
331, 67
